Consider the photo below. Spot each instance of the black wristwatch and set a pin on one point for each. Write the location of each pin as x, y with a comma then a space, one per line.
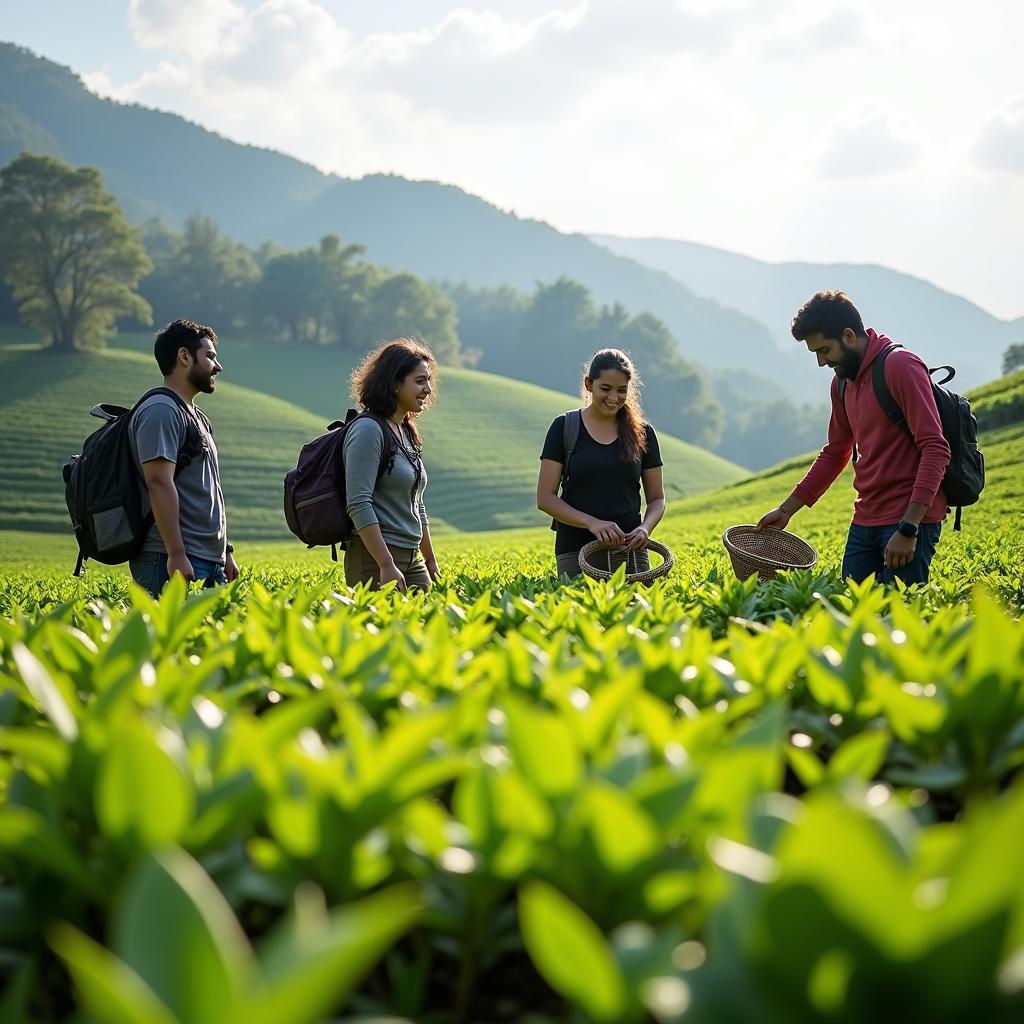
230, 549
908, 529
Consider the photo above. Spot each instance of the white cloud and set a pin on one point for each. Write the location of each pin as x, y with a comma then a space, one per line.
291, 43
743, 123
472, 66
844, 28
182, 25
869, 139
1000, 142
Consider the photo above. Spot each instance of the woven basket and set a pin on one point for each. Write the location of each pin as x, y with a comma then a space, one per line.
592, 554
766, 551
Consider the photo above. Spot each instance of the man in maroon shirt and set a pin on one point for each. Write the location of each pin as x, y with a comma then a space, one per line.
898, 513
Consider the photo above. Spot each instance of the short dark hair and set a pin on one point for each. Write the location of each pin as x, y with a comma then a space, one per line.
827, 313
179, 334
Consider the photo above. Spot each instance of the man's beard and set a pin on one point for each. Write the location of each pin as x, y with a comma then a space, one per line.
201, 381
849, 362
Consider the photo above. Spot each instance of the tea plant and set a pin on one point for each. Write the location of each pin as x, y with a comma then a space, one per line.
511, 799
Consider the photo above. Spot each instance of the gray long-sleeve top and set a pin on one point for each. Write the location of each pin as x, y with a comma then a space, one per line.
395, 502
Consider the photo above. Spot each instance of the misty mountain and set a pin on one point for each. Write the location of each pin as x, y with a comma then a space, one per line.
159, 164
940, 326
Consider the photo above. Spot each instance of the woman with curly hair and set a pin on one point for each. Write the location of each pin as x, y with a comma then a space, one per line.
599, 461
384, 472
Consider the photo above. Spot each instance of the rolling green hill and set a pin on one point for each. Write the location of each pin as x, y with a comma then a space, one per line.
694, 522
483, 435
483, 438
44, 415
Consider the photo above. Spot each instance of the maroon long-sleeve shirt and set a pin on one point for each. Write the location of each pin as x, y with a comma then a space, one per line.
892, 469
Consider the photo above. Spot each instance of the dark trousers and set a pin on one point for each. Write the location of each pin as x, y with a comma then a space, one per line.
149, 570
865, 553
361, 567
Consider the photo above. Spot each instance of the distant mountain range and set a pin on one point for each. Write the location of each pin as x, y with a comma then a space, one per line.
159, 164
727, 311
940, 326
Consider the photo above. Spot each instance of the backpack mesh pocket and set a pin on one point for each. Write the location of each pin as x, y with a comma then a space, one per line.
111, 528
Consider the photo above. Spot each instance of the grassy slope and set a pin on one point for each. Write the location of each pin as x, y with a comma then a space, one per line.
483, 437
44, 415
691, 523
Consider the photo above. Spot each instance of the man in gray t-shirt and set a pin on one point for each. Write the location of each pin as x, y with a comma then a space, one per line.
189, 532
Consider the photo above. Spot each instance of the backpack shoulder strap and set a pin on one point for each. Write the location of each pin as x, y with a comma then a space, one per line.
192, 445
570, 438
884, 395
387, 460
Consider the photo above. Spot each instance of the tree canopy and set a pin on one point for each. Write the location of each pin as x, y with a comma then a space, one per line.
69, 255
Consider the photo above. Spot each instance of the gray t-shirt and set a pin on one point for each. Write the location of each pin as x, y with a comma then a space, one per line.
158, 430
395, 502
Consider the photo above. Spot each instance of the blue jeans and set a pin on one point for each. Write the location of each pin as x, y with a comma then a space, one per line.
149, 570
865, 553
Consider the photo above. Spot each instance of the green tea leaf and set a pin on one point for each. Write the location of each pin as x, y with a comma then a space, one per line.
860, 757
311, 964
33, 839
142, 796
570, 952
544, 749
175, 930
111, 991
56, 703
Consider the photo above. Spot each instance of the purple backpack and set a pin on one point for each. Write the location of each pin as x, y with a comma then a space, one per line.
314, 491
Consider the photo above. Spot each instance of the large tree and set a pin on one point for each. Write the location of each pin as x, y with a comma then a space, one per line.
69, 255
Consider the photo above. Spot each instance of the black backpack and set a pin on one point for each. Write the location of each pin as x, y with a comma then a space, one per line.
570, 438
965, 474
104, 489
314, 491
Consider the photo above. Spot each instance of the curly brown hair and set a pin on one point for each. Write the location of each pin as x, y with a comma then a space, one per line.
375, 380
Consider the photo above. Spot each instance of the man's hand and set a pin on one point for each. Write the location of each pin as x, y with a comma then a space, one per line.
392, 574
638, 539
180, 563
778, 518
230, 568
432, 569
607, 532
899, 551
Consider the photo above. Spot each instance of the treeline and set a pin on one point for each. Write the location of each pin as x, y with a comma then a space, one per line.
325, 294
76, 269
545, 338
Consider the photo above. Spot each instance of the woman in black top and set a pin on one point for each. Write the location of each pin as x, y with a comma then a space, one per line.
616, 449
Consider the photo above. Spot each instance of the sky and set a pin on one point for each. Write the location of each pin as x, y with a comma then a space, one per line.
882, 131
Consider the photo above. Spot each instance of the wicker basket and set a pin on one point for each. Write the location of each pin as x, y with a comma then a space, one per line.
596, 552
766, 551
